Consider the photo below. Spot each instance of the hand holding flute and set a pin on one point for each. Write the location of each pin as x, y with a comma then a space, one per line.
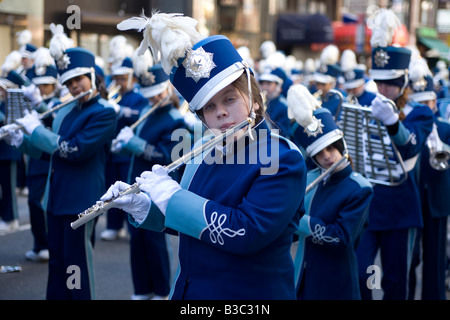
116, 195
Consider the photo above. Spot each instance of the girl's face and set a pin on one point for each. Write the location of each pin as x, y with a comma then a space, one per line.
328, 156
227, 108
46, 89
387, 90
155, 99
77, 85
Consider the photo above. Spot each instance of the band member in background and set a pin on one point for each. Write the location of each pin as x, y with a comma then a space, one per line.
434, 188
128, 106
325, 78
276, 104
395, 212
9, 156
42, 95
151, 144
336, 209
77, 145
242, 216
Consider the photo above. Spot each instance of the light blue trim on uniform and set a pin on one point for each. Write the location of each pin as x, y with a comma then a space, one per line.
136, 145
89, 252
45, 139
360, 180
185, 206
304, 225
402, 136
155, 220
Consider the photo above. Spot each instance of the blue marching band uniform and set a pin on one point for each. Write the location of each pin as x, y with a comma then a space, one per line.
242, 224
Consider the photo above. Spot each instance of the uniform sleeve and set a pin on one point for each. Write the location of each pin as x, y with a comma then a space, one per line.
413, 132
84, 144
264, 213
342, 232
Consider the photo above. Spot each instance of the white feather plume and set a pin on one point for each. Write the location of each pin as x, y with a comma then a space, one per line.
141, 63
383, 25
23, 37
42, 59
348, 60
418, 69
170, 36
301, 104
12, 61
59, 42
330, 55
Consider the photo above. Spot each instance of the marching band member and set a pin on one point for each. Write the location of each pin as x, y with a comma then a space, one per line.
152, 144
276, 104
77, 146
241, 215
395, 213
354, 79
41, 94
9, 156
26, 49
336, 209
325, 78
434, 188
117, 166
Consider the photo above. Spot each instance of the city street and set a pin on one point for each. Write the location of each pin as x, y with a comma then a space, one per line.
111, 261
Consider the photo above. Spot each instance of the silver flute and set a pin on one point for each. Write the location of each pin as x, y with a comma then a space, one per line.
4, 134
325, 174
102, 206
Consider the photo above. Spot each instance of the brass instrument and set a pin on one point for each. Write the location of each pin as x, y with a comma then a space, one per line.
145, 116
325, 174
4, 134
103, 206
439, 153
373, 153
114, 92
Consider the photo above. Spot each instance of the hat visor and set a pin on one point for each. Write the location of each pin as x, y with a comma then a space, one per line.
376, 74
74, 73
423, 96
322, 78
216, 84
323, 142
44, 80
353, 84
149, 92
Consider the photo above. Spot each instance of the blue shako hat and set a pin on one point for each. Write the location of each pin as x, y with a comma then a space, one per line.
13, 78
421, 81
319, 128
271, 76
329, 69
211, 65
153, 82
317, 136
353, 78
27, 50
199, 67
47, 75
76, 62
389, 62
125, 68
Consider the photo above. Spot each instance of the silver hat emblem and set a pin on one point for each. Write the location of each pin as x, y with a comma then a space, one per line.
314, 128
198, 64
381, 58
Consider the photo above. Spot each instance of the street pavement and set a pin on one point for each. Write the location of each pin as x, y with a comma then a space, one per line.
111, 263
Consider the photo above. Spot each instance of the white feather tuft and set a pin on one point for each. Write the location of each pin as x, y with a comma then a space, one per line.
170, 36
330, 55
59, 42
12, 61
383, 24
42, 59
348, 60
301, 104
418, 69
141, 63
23, 37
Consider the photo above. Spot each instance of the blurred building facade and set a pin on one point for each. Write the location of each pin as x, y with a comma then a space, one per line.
245, 22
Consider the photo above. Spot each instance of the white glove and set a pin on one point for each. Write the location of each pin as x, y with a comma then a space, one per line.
15, 135
33, 94
127, 112
159, 185
125, 135
115, 106
384, 112
30, 121
137, 204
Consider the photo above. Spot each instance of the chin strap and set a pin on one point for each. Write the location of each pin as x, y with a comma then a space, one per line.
251, 113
